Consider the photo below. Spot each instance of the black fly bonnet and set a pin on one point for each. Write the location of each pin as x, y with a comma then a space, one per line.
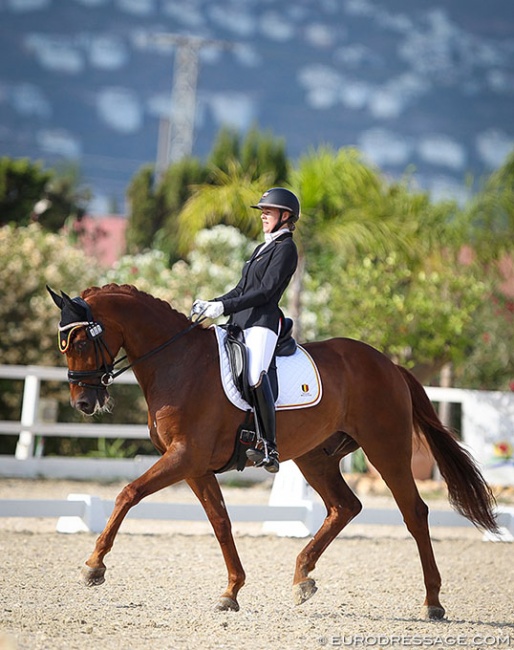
76, 314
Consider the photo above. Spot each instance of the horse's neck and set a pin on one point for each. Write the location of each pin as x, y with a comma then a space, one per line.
144, 334
149, 326
144, 322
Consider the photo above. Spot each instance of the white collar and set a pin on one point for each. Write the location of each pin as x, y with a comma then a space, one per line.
271, 236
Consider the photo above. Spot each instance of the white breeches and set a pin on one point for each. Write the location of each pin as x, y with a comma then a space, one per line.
261, 343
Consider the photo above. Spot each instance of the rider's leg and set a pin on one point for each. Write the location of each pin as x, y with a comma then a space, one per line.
264, 406
261, 343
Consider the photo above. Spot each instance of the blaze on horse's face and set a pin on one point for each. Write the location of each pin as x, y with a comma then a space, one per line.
89, 396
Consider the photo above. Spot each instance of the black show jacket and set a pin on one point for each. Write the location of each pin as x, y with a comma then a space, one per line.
254, 301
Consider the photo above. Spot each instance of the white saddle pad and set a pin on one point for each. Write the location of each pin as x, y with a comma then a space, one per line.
299, 383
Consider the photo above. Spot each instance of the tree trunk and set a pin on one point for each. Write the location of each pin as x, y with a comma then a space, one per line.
295, 297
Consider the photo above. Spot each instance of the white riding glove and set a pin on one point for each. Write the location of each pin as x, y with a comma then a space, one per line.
207, 308
214, 309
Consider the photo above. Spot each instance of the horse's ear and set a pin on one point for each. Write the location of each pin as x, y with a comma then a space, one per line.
57, 299
66, 299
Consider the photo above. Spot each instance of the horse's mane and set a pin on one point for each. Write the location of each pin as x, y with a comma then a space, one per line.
130, 290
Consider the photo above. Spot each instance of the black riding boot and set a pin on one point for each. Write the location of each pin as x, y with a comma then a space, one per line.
264, 407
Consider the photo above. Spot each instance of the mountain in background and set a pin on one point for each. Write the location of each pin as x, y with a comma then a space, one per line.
411, 83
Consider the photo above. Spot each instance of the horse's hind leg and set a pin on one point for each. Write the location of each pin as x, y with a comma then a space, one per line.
323, 474
398, 476
208, 491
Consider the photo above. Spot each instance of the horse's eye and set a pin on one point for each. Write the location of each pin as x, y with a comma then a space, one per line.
80, 345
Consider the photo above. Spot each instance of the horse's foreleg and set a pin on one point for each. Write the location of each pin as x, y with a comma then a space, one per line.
208, 491
166, 471
323, 474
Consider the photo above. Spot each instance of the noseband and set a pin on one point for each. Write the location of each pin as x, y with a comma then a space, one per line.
105, 372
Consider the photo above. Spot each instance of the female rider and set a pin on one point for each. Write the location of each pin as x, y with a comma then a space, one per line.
253, 306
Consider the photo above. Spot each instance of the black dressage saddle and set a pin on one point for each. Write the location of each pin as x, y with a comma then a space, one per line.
238, 356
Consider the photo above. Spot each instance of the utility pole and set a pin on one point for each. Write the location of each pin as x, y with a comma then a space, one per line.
176, 133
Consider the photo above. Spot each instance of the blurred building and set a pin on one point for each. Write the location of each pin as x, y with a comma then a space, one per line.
102, 237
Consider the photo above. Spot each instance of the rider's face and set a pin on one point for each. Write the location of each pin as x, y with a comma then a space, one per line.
270, 217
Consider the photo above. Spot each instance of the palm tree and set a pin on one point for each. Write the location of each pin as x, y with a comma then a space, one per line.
349, 209
348, 206
490, 215
225, 199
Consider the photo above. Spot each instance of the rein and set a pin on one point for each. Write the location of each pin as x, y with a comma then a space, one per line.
106, 373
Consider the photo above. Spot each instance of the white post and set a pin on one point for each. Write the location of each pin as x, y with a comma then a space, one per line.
25, 446
291, 489
93, 519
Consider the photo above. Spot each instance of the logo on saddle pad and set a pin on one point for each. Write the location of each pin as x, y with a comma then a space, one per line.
298, 379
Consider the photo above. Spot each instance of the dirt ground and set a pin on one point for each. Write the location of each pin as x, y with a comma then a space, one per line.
163, 580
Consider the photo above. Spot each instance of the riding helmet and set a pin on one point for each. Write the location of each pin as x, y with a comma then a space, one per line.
279, 197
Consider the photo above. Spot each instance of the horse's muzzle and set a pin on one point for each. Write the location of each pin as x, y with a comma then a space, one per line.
89, 400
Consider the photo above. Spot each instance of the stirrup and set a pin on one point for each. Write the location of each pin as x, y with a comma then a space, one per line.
271, 464
265, 456
255, 455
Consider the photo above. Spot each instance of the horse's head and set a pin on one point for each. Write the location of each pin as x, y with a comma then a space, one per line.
89, 353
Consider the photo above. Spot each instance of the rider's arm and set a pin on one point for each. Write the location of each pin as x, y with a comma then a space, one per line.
281, 267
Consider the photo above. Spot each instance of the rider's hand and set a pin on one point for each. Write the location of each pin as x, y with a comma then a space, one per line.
207, 309
213, 310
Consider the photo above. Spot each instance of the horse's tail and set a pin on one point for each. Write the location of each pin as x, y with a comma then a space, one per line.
468, 491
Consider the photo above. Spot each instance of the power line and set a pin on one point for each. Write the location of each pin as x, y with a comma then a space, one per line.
176, 133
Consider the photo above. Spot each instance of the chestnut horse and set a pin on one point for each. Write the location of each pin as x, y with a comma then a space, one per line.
367, 402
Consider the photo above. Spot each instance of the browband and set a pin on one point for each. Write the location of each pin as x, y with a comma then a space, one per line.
93, 330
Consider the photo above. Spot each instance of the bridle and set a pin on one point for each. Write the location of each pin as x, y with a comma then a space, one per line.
105, 371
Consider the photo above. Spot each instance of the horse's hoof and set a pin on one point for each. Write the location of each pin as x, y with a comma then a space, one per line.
434, 613
304, 590
226, 604
93, 577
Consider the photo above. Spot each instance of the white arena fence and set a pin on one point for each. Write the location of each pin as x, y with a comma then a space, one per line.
293, 510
